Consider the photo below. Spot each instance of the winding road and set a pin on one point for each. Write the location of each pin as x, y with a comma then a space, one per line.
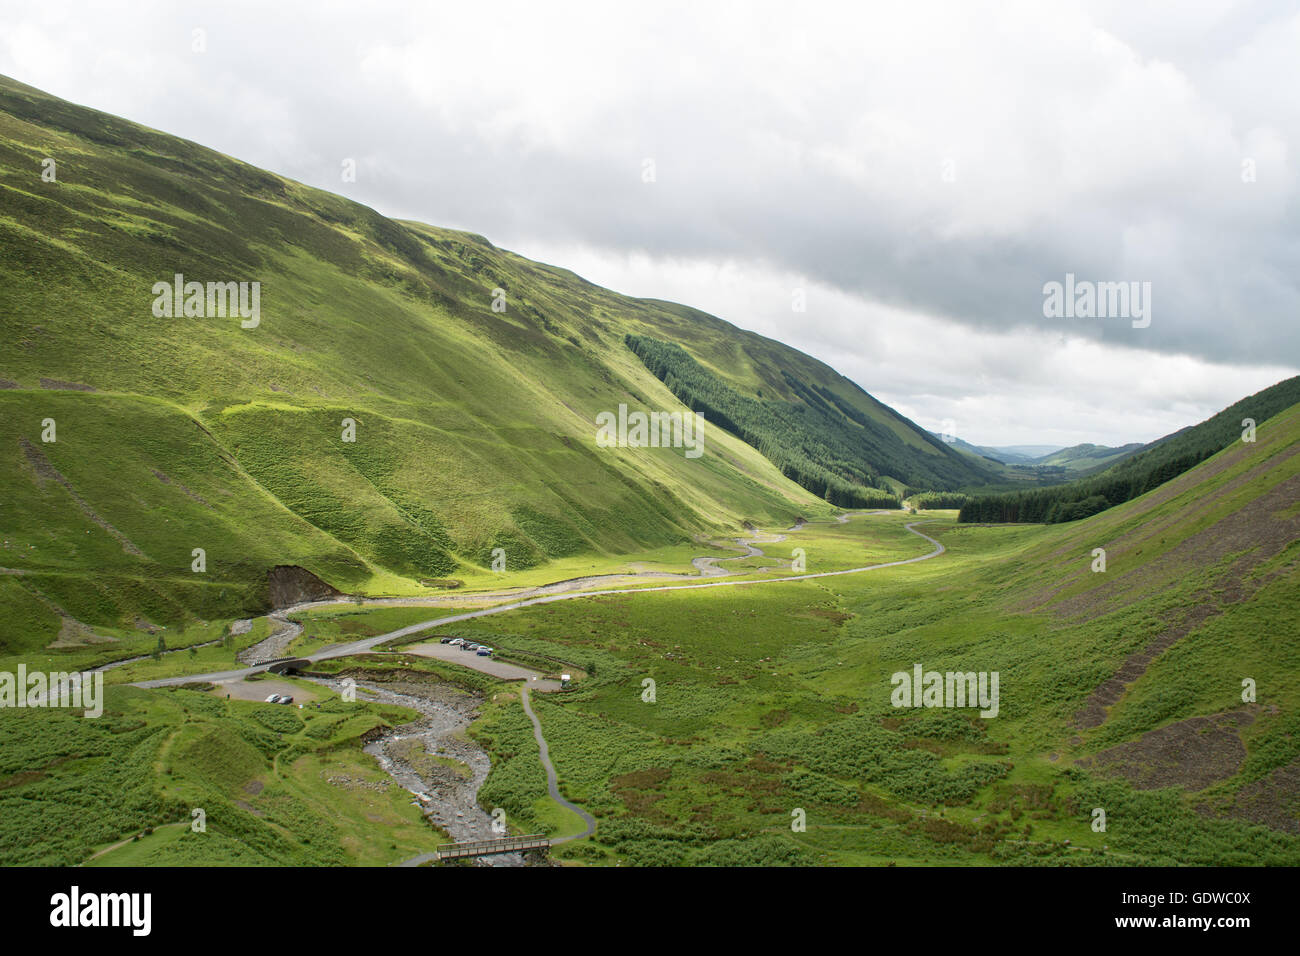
366, 644
369, 643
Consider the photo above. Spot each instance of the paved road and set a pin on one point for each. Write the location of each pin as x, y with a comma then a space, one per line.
367, 644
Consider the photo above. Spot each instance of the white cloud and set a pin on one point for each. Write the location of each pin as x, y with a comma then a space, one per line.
1045, 385
807, 144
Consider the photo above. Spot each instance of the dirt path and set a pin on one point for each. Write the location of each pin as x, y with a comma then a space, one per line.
121, 843
552, 782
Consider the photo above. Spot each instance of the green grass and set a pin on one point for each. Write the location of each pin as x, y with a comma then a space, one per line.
770, 699
273, 791
475, 430
776, 698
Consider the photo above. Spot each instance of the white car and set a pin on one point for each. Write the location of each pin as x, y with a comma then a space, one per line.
273, 699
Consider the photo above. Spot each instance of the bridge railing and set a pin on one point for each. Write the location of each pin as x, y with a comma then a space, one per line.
514, 844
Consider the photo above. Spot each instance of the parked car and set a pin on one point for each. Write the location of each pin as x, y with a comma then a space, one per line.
285, 699
448, 640
273, 699
456, 641
484, 652
469, 646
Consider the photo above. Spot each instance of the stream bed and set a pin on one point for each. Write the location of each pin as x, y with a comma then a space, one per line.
434, 758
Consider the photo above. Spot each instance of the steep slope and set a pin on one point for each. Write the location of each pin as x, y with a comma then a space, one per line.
819, 440
1200, 675
473, 426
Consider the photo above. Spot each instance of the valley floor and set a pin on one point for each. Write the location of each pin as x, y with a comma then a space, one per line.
726, 724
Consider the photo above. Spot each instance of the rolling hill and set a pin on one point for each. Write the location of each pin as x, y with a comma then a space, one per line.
193, 453
1086, 458
1019, 454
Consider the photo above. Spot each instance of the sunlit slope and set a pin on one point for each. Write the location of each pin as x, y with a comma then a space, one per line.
474, 429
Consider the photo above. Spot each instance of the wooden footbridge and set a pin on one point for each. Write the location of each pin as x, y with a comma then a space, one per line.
515, 844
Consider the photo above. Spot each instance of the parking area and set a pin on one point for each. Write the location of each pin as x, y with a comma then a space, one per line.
259, 690
488, 665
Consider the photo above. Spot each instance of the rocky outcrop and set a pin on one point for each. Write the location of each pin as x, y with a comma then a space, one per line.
290, 585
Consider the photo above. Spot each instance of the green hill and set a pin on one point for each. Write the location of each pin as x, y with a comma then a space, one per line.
1084, 458
474, 428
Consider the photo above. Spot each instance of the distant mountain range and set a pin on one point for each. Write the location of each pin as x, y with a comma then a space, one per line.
1077, 460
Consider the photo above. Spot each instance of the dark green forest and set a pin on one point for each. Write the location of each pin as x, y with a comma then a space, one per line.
820, 441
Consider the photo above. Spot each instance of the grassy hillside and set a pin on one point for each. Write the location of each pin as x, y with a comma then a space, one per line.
474, 429
1085, 458
819, 441
277, 786
1121, 690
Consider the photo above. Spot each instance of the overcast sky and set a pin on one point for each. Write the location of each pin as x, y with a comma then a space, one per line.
919, 170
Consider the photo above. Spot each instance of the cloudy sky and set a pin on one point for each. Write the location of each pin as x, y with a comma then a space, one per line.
917, 172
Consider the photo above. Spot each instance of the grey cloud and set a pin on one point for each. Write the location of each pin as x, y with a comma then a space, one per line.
1085, 137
